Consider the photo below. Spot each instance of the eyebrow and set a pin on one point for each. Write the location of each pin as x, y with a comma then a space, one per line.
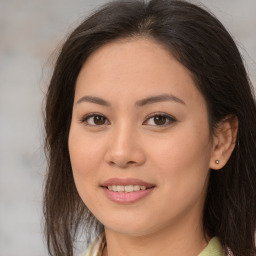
159, 98
139, 103
95, 100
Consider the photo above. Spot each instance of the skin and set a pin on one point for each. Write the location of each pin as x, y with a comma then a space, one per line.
175, 157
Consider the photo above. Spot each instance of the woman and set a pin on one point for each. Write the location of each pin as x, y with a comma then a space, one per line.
151, 135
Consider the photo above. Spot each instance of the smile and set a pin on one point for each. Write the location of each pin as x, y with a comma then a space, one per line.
127, 188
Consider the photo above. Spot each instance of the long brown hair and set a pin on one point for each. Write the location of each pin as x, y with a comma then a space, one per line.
201, 43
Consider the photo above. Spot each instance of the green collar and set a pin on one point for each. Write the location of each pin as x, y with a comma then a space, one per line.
213, 248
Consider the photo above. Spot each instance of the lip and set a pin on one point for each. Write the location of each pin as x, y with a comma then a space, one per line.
124, 197
126, 181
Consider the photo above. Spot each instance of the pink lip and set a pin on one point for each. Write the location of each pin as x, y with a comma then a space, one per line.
124, 197
126, 181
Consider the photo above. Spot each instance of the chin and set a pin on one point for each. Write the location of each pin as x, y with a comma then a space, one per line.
130, 226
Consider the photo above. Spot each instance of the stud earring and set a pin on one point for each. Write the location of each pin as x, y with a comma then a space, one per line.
217, 161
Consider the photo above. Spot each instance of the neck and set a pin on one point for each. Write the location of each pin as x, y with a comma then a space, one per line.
175, 240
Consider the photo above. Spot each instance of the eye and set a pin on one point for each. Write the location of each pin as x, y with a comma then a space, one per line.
94, 119
160, 120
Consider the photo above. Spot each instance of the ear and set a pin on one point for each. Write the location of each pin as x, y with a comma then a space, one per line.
224, 141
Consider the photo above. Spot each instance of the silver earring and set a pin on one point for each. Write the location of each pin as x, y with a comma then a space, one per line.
217, 161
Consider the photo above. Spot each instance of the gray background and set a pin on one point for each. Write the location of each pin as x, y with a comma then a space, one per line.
29, 33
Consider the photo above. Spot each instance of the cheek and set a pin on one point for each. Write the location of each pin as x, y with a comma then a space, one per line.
84, 156
181, 149
182, 161
84, 150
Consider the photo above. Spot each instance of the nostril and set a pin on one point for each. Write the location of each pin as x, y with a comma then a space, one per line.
121, 164
131, 162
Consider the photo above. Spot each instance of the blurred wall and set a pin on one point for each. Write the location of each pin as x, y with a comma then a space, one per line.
29, 32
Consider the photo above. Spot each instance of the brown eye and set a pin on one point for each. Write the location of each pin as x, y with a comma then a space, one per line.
99, 120
95, 120
160, 120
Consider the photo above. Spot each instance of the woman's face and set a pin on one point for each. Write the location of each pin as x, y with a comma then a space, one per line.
139, 124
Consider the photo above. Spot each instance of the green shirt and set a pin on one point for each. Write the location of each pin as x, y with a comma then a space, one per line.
213, 248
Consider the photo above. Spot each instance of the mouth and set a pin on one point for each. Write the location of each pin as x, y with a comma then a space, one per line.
127, 188
126, 191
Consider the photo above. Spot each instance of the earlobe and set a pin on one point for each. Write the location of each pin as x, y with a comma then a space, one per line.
224, 141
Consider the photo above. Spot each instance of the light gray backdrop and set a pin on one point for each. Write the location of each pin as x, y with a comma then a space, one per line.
29, 32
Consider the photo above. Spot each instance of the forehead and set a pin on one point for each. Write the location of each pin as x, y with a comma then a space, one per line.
135, 68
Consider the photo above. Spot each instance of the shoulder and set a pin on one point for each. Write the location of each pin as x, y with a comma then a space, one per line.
96, 247
214, 248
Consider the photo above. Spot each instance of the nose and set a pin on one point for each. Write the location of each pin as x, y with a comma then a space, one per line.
124, 149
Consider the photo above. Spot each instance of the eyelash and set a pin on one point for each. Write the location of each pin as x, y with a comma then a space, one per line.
170, 119
84, 120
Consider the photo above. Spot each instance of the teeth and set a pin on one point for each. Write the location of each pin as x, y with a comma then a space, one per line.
120, 188
128, 188
136, 187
